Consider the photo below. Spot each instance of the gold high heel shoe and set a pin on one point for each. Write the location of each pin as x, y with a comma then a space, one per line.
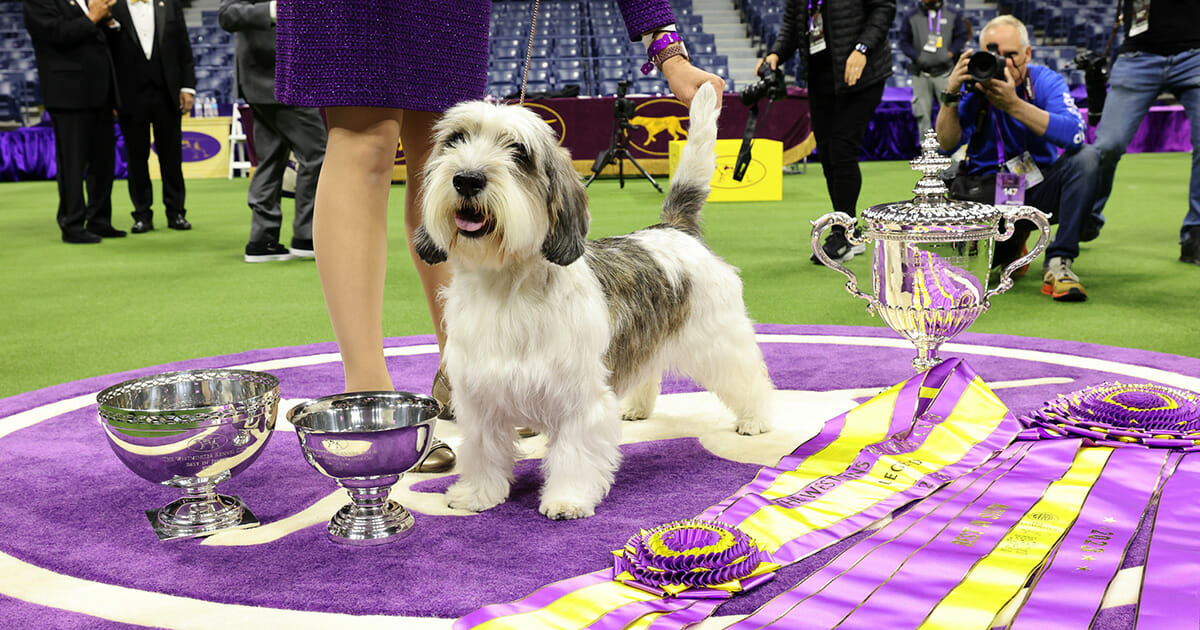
440, 457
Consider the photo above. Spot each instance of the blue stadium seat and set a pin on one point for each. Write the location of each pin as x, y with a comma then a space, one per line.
502, 90
566, 76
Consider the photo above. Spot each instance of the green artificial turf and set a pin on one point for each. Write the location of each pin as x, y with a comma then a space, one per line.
76, 311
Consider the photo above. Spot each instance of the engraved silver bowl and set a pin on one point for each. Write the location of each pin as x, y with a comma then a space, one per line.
366, 441
192, 430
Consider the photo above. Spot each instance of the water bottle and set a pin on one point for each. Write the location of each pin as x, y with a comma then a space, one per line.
213, 110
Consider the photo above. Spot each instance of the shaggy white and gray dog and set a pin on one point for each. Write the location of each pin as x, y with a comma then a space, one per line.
549, 330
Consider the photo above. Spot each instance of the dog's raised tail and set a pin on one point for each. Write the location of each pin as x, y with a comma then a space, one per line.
691, 183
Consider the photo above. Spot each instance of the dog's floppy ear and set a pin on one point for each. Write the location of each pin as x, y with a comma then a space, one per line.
569, 218
426, 248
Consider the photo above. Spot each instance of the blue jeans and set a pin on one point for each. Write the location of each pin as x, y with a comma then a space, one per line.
1137, 78
1066, 193
1069, 186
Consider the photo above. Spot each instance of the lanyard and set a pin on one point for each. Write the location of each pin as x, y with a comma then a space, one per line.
938, 22
812, 12
999, 136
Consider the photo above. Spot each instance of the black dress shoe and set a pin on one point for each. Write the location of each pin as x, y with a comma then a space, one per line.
107, 231
141, 227
179, 223
81, 236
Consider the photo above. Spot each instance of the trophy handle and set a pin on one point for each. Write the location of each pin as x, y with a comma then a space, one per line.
1011, 215
820, 226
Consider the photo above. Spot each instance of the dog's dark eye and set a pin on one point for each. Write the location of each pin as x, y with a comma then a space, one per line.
520, 153
455, 138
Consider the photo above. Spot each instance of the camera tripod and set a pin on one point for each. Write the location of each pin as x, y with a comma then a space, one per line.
618, 148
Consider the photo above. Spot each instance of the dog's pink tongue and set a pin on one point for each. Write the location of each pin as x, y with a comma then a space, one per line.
468, 226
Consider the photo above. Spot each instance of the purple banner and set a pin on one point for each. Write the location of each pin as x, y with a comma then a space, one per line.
1171, 585
1069, 591
889, 572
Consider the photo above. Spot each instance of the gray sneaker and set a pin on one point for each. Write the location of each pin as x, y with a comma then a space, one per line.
1060, 283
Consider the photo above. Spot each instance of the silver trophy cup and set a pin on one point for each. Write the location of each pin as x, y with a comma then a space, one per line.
366, 441
192, 430
931, 258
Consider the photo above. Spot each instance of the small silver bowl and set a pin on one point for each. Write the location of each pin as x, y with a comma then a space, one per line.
366, 441
192, 430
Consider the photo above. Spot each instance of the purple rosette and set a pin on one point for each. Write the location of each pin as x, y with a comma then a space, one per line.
1115, 414
688, 554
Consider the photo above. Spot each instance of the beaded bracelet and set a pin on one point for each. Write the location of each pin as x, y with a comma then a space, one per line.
663, 48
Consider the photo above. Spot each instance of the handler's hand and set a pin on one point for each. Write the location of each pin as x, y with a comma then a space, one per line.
185, 102
685, 79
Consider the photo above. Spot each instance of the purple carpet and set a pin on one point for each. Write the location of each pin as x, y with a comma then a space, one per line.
70, 506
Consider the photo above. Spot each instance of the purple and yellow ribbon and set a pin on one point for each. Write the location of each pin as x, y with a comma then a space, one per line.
896, 448
1071, 588
1170, 595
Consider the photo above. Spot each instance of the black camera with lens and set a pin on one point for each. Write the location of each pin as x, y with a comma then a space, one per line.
985, 65
1095, 79
770, 84
624, 107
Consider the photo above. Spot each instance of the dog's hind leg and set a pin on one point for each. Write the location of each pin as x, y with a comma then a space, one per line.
732, 367
581, 459
638, 404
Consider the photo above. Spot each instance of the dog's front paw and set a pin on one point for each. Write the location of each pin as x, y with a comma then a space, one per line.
752, 426
565, 509
469, 496
634, 414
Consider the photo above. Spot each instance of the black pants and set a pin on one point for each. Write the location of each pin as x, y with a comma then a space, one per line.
839, 122
84, 153
154, 108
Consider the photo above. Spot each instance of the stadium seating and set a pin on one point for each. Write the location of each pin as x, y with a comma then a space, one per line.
585, 43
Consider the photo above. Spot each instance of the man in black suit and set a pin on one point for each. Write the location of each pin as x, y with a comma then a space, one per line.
79, 91
156, 76
278, 130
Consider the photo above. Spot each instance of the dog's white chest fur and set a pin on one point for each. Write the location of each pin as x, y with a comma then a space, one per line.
525, 333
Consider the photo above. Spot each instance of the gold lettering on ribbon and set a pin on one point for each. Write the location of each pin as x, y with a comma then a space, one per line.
968, 537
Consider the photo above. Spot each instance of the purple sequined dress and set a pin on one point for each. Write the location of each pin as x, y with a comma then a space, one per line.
425, 55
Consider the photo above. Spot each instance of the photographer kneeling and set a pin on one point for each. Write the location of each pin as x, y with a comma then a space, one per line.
1014, 117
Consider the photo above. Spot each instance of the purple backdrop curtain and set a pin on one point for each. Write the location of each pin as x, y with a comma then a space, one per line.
586, 124
27, 154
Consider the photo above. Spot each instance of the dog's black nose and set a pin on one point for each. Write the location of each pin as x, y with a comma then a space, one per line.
469, 183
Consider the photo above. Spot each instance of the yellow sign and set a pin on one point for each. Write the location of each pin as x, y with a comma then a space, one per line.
763, 180
205, 149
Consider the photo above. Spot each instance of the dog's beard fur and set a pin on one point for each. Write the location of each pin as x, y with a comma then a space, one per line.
544, 329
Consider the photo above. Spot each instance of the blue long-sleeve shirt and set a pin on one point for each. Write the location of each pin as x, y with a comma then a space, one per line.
1046, 90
